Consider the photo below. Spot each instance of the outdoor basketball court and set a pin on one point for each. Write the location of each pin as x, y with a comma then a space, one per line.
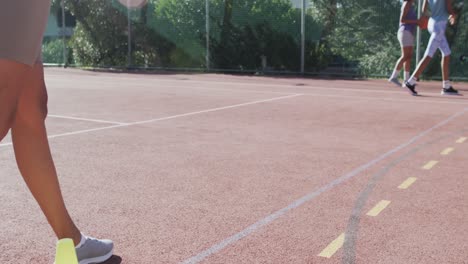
207, 168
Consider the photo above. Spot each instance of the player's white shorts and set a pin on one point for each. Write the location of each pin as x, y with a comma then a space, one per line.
438, 39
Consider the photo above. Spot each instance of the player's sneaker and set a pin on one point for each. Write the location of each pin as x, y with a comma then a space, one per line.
411, 88
94, 251
449, 91
394, 81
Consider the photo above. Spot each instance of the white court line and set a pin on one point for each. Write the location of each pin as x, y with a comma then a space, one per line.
308, 197
102, 79
390, 91
87, 119
215, 109
86, 131
165, 118
387, 99
419, 100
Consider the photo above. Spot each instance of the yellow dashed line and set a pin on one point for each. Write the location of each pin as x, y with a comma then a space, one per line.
407, 183
333, 247
447, 151
430, 164
461, 140
378, 208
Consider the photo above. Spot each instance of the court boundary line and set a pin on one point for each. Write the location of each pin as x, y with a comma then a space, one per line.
86, 119
419, 100
445, 99
352, 227
290, 85
310, 196
392, 90
166, 118
216, 109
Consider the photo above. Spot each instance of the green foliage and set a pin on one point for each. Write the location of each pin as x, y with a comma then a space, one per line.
172, 33
366, 32
381, 59
460, 40
52, 51
240, 33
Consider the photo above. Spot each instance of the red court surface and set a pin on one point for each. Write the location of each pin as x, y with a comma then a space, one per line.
206, 168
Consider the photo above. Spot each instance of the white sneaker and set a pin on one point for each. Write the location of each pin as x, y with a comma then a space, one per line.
94, 251
395, 81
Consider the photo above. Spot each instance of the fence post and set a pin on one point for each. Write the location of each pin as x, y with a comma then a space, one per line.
207, 18
303, 8
64, 41
418, 35
129, 40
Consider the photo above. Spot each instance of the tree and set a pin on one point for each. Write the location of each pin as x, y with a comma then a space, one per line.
100, 37
366, 32
241, 31
459, 45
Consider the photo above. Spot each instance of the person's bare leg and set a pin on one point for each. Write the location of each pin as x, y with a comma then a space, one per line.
405, 59
401, 60
407, 64
408, 57
34, 158
10, 74
421, 67
446, 68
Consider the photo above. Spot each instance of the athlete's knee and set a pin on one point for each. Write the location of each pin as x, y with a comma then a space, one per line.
8, 107
34, 113
6, 122
10, 90
407, 57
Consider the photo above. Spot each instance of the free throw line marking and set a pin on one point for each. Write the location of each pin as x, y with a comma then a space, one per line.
333, 247
378, 208
430, 165
407, 183
447, 151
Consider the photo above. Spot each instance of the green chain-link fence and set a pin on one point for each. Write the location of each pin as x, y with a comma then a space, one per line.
320, 37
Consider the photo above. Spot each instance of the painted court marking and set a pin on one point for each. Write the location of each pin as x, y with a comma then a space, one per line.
430, 164
407, 183
164, 118
87, 119
333, 247
447, 151
102, 79
308, 197
423, 101
461, 140
214, 109
296, 203
378, 208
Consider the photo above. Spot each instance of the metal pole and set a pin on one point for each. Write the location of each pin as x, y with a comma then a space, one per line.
207, 2
129, 40
303, 36
64, 51
418, 35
